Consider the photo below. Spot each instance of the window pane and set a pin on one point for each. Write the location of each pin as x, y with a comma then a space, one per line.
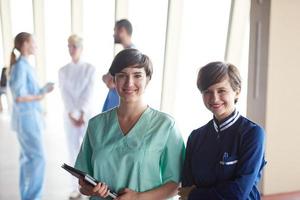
243, 67
149, 32
21, 16
1, 49
98, 25
204, 34
57, 31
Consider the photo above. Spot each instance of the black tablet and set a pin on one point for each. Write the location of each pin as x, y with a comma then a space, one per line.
89, 179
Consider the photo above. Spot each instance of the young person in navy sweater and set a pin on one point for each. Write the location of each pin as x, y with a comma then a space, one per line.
224, 158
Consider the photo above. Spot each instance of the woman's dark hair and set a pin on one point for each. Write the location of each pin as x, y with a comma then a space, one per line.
216, 72
131, 58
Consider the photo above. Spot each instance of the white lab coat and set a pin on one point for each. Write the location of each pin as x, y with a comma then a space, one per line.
76, 82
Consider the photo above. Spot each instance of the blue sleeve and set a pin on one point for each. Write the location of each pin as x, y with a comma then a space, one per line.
187, 176
112, 100
18, 81
251, 162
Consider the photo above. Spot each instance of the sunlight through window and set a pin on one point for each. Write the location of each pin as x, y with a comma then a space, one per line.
98, 26
1, 49
21, 16
57, 31
149, 32
204, 34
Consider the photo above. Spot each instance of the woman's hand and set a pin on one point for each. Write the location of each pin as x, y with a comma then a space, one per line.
77, 122
165, 191
50, 89
30, 98
184, 192
100, 190
108, 80
40, 97
128, 194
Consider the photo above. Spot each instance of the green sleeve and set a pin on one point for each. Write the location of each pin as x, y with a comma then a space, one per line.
172, 158
83, 161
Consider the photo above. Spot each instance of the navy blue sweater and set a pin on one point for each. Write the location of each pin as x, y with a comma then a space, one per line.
224, 161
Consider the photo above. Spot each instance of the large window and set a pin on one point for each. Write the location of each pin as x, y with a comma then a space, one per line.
204, 34
149, 19
22, 19
57, 31
1, 48
243, 67
21, 16
98, 41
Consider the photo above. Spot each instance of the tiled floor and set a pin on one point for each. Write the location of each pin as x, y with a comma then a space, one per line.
57, 180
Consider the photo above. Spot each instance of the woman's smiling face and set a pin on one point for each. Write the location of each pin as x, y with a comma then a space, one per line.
131, 83
220, 99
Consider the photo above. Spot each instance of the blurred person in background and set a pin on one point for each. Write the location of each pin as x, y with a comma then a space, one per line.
76, 83
27, 117
122, 35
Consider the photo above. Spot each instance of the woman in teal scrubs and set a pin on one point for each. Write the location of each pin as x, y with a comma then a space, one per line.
132, 149
27, 117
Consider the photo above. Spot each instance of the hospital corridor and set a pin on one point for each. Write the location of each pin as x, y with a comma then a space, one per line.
68, 48
56, 179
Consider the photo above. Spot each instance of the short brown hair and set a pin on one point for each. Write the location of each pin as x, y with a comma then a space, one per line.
216, 72
131, 58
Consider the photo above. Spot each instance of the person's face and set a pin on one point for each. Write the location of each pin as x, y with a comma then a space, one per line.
219, 99
117, 35
131, 83
74, 50
30, 46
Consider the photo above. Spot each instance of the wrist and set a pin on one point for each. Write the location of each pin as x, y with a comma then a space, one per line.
40, 97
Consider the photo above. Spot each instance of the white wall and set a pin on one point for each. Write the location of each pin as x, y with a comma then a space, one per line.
282, 173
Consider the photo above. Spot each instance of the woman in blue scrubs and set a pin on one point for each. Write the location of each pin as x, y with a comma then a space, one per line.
133, 149
27, 117
224, 158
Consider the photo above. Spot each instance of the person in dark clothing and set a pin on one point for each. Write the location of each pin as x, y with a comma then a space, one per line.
225, 157
3, 83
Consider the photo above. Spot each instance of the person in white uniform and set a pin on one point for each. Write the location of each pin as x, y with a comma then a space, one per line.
76, 81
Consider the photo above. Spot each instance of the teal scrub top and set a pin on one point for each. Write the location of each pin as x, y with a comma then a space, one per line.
151, 154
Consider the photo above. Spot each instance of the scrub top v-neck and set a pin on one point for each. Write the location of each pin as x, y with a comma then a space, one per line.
149, 155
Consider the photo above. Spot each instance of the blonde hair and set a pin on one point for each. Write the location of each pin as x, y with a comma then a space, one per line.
75, 40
